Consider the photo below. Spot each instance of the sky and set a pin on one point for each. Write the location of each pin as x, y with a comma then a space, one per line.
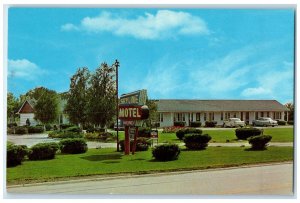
173, 53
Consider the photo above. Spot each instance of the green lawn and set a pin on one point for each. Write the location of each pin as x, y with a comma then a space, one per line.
278, 135
108, 161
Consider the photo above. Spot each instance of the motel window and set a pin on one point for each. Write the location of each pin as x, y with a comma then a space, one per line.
228, 115
256, 115
234, 115
161, 117
204, 116
221, 116
179, 117
197, 116
211, 116
183, 117
268, 114
261, 114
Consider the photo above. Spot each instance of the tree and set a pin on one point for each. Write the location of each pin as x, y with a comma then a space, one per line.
290, 107
102, 96
46, 104
153, 115
13, 105
77, 97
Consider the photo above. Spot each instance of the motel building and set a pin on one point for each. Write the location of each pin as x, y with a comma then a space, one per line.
174, 110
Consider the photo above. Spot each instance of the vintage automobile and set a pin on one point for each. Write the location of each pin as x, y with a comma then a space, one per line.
264, 121
233, 122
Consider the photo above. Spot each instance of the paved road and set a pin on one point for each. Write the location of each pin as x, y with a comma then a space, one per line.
274, 179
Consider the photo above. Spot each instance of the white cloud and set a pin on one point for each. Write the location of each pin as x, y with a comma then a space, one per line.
23, 68
259, 91
69, 27
164, 23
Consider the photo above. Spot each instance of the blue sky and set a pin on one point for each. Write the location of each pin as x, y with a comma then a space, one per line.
173, 53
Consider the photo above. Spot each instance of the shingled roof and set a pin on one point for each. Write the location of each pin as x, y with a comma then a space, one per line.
176, 105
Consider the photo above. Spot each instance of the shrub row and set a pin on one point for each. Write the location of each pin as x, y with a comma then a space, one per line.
20, 130
44, 151
65, 134
280, 122
195, 124
210, 123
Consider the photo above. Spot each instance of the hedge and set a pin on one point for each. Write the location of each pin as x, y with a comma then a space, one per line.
43, 151
73, 146
210, 123
15, 154
21, 130
245, 133
105, 136
196, 141
166, 152
180, 133
259, 142
66, 134
179, 123
280, 122
35, 129
195, 124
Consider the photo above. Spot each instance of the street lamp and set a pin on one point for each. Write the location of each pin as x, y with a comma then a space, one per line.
117, 64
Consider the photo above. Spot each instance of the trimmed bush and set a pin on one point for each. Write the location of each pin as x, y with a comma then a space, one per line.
142, 144
196, 141
63, 135
290, 122
196, 124
74, 129
259, 142
35, 129
43, 151
15, 154
73, 146
21, 130
166, 152
180, 133
179, 123
210, 124
245, 133
144, 132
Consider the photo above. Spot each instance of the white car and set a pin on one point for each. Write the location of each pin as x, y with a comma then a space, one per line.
264, 121
234, 122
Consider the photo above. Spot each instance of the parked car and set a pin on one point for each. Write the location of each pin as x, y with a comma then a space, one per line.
264, 121
120, 126
233, 122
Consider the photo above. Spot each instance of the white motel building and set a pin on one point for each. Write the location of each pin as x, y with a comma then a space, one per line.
173, 110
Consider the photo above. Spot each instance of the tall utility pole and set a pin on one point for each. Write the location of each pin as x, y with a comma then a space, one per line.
117, 64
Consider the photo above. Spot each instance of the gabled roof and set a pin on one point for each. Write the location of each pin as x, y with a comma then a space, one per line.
31, 102
177, 105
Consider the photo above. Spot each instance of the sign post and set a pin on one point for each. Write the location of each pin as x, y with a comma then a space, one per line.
132, 110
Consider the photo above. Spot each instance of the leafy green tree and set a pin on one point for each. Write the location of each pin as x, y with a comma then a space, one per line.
153, 115
77, 97
46, 104
13, 105
101, 107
